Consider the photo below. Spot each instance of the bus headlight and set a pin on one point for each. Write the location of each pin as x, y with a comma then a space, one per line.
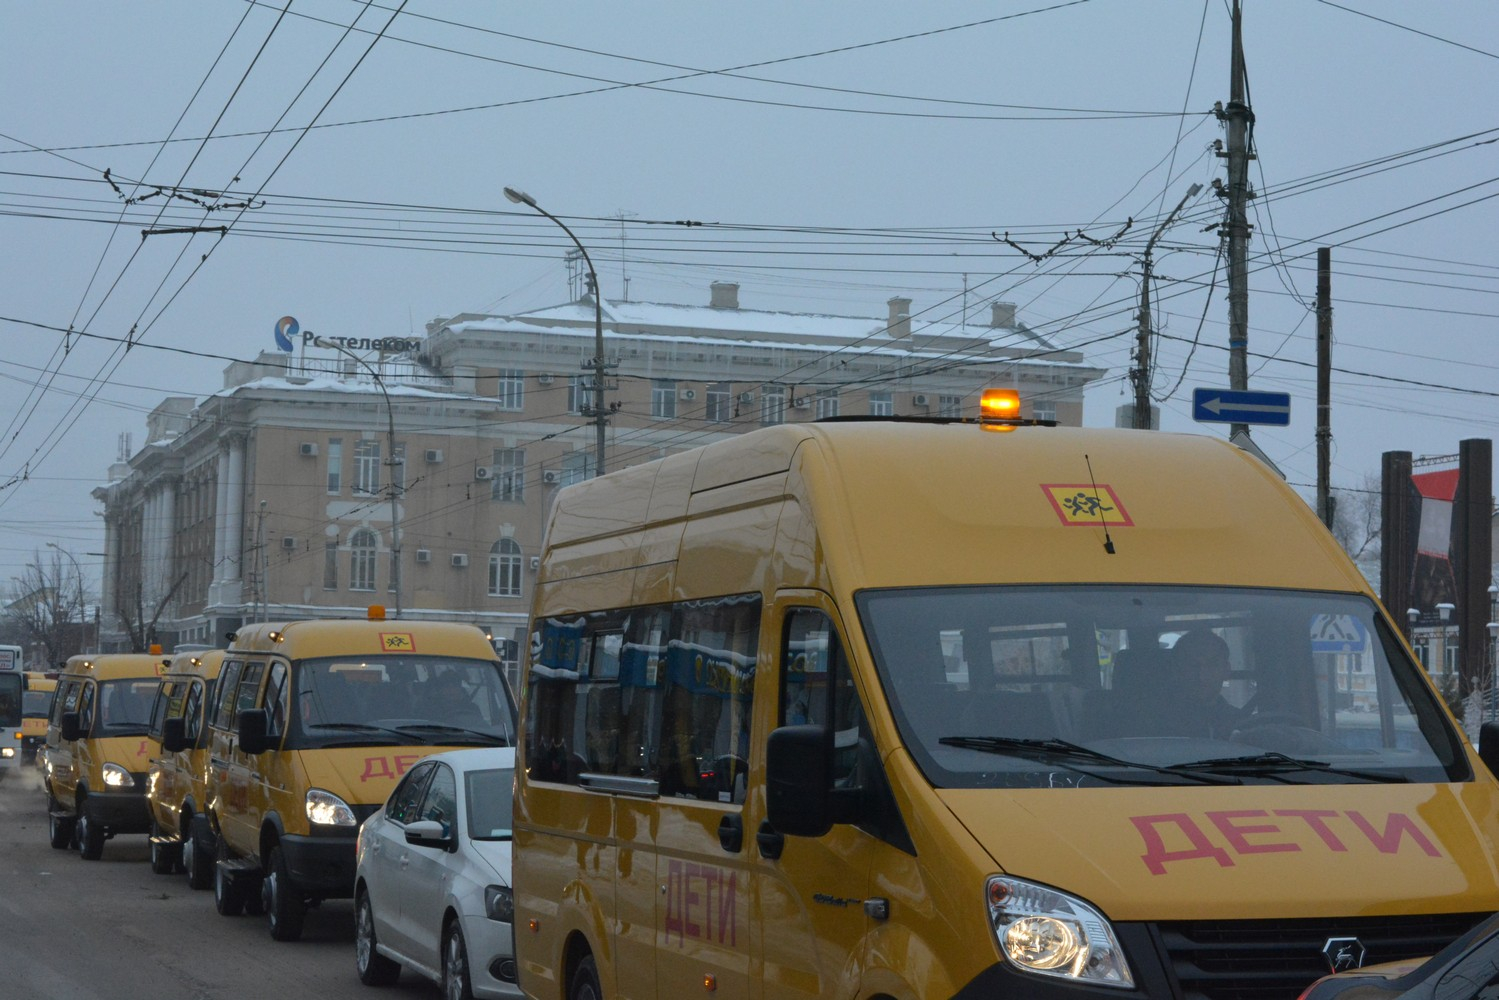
327, 809
116, 776
1051, 933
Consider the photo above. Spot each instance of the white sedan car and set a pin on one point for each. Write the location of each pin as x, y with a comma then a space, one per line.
432, 887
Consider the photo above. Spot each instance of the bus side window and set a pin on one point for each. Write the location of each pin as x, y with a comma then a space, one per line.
817, 688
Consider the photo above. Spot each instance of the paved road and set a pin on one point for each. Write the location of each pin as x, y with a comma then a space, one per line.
79, 930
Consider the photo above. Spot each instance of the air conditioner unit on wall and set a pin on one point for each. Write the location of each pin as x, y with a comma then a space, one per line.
434, 454
460, 559
423, 555
551, 477
288, 541
689, 394
544, 379
746, 397
483, 472
308, 449
919, 400
801, 402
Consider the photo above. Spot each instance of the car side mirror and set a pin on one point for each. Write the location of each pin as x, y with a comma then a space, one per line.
69, 726
252, 731
1488, 745
798, 780
430, 833
174, 735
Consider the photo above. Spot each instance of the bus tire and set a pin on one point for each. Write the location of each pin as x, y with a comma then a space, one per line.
584, 984
90, 835
59, 831
283, 904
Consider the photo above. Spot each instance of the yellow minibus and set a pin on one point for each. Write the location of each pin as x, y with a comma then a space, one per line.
908, 709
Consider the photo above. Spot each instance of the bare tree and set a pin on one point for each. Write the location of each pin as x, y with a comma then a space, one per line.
138, 612
1356, 518
49, 608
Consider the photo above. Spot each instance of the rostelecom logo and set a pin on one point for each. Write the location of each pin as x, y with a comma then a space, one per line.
286, 329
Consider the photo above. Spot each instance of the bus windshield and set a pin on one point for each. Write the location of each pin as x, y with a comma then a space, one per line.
125, 705
10, 700
1015, 686
411, 699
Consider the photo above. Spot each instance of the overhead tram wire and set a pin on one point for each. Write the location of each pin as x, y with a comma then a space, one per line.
78, 411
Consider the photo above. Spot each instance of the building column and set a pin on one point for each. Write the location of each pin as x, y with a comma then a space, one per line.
229, 526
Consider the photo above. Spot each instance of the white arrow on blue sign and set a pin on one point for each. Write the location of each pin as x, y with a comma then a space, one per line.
1237, 406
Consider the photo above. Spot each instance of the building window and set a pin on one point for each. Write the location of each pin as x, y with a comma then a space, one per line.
827, 406
509, 481
335, 465
720, 407
362, 560
367, 467
881, 404
949, 406
577, 394
664, 399
772, 405
511, 389
398, 468
504, 568
1044, 409
576, 467
330, 565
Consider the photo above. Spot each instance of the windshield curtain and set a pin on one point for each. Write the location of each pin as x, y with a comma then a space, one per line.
1162, 675
417, 699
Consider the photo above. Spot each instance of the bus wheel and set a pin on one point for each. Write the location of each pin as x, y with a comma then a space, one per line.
60, 831
196, 858
284, 908
90, 835
585, 982
228, 893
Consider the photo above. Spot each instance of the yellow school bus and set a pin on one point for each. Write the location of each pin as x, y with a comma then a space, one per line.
314, 723
97, 749
908, 709
36, 705
177, 781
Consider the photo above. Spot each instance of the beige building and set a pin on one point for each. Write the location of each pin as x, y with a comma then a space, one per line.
275, 496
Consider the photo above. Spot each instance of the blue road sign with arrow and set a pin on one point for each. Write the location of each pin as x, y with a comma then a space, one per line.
1231, 406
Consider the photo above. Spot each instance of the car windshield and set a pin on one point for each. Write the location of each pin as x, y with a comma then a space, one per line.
125, 705
436, 700
1043, 686
488, 795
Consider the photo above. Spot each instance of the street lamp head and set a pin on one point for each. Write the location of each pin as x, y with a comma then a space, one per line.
1445, 610
1413, 614
520, 197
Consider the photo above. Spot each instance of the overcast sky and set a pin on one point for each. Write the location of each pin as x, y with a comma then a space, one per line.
836, 154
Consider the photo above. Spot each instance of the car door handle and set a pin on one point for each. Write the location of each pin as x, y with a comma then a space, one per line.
731, 833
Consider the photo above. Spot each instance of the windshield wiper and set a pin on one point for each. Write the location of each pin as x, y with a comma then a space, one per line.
435, 727
1272, 764
357, 727
1061, 751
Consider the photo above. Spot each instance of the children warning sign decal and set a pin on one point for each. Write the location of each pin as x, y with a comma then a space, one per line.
397, 642
1085, 505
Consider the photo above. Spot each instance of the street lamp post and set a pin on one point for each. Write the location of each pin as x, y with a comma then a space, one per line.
1493, 670
598, 365
1445, 611
78, 575
392, 462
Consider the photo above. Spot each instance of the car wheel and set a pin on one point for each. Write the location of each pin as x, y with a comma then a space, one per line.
456, 984
228, 894
374, 968
585, 981
60, 831
284, 908
90, 835
197, 859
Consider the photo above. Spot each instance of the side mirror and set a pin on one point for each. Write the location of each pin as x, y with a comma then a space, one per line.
69, 726
174, 735
430, 833
1488, 745
252, 731
798, 781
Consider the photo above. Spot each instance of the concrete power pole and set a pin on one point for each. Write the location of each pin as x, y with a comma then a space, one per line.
1141, 374
1239, 120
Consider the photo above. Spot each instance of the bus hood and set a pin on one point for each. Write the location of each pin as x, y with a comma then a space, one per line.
1194, 852
362, 775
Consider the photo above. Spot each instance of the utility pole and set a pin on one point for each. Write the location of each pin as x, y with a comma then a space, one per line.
1141, 374
1239, 120
1324, 385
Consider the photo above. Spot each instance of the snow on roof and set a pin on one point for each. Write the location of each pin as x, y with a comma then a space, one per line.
329, 384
